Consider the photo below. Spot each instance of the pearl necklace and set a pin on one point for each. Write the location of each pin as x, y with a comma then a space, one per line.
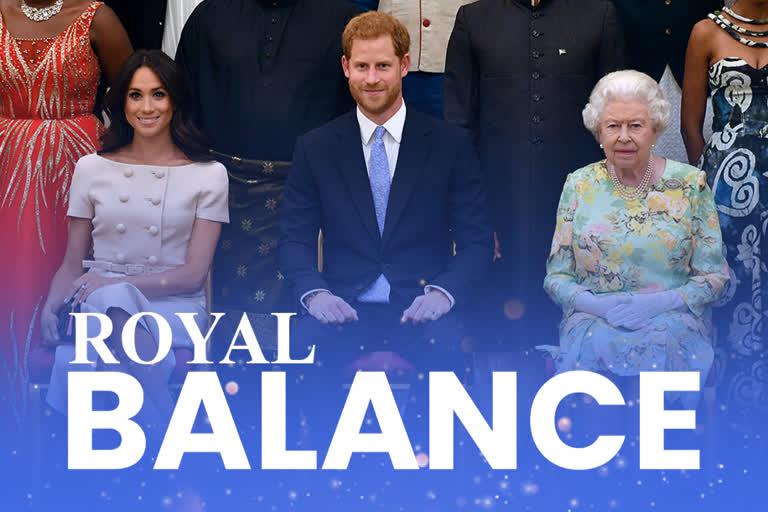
43, 13
631, 193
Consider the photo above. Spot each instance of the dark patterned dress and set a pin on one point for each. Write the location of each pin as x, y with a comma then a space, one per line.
736, 162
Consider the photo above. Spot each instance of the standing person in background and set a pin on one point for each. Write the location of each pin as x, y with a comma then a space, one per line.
263, 73
175, 17
517, 75
727, 59
52, 56
367, 5
142, 19
657, 34
429, 24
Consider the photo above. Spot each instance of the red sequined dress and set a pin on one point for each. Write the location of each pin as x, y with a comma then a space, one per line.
47, 93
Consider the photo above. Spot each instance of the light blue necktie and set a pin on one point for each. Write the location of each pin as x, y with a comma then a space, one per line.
378, 174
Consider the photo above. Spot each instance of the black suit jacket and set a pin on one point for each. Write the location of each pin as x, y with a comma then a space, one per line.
518, 77
657, 32
142, 19
436, 197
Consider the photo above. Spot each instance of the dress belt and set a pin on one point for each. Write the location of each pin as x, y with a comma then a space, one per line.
70, 118
129, 269
267, 166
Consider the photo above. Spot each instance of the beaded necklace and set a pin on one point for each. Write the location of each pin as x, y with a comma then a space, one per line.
631, 193
743, 18
739, 28
731, 32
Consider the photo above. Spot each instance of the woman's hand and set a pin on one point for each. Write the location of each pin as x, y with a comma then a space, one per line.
88, 283
640, 309
598, 305
49, 323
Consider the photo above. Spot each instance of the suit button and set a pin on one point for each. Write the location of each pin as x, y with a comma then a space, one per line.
156, 201
152, 260
535, 75
153, 230
667, 2
536, 98
426, 23
123, 197
160, 174
120, 258
387, 266
536, 119
668, 31
120, 228
128, 173
535, 33
92, 195
535, 54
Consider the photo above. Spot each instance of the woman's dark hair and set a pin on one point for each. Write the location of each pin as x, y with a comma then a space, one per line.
184, 132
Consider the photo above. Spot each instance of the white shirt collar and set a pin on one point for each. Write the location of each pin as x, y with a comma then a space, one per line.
393, 126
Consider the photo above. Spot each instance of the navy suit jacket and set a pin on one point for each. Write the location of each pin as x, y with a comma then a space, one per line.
436, 198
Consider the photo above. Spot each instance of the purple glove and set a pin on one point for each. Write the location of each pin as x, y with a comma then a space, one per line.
641, 309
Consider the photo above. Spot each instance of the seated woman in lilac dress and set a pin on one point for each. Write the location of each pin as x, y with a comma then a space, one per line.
153, 203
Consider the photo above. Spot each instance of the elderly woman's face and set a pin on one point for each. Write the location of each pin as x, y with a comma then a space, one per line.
627, 134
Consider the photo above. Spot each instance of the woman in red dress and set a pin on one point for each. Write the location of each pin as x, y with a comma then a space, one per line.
52, 56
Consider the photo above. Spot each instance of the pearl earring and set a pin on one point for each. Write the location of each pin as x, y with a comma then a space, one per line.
601, 146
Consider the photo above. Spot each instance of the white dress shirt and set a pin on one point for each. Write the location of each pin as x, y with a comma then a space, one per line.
429, 23
392, 136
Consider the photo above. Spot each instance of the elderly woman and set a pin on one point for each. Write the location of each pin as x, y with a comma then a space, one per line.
637, 255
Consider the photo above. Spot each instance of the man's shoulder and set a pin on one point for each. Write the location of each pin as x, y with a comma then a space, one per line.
480, 8
437, 128
322, 133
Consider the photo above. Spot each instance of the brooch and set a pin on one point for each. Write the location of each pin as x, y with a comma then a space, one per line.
673, 184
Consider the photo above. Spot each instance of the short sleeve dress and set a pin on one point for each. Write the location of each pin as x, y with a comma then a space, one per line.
142, 218
669, 240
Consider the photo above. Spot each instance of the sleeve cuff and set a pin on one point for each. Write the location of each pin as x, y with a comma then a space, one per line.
439, 288
310, 292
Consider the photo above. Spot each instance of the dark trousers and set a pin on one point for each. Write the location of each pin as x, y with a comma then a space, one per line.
321, 391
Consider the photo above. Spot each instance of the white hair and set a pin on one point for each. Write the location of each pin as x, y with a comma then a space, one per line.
627, 84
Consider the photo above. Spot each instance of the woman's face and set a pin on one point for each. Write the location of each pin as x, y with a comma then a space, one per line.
147, 104
627, 134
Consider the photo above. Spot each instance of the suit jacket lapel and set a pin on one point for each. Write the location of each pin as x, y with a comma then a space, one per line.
351, 164
411, 160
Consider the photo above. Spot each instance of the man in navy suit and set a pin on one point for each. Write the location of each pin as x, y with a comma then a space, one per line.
399, 198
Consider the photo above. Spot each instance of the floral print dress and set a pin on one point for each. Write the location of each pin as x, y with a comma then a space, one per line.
669, 240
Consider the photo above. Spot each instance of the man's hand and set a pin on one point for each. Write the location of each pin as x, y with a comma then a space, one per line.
426, 308
330, 309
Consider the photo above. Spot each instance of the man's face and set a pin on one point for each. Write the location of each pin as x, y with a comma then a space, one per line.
375, 77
